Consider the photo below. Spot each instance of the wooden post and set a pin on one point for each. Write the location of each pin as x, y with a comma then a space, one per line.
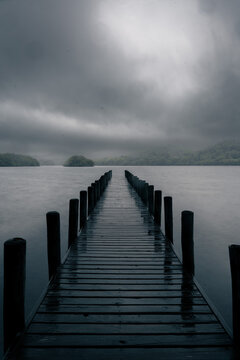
73, 221
97, 190
187, 241
234, 253
145, 192
101, 184
105, 181
90, 200
158, 207
168, 215
94, 194
53, 242
83, 208
142, 190
150, 198
14, 289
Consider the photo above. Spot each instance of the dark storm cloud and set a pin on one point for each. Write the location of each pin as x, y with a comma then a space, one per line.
72, 83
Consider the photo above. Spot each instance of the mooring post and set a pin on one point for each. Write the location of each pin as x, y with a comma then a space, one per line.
168, 216
187, 241
90, 200
53, 242
94, 194
150, 198
14, 289
106, 179
158, 207
97, 190
145, 187
83, 208
142, 190
234, 254
73, 221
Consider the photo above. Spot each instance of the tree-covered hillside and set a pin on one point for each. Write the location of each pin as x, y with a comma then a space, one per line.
78, 160
17, 160
226, 153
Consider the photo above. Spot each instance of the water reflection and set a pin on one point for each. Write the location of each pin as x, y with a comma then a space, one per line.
187, 300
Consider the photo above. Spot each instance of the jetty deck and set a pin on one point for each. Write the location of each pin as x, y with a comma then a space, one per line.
122, 294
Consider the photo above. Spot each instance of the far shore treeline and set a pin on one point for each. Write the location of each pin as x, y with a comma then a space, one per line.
227, 153
17, 160
78, 160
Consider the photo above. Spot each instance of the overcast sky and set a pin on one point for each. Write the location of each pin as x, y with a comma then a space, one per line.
107, 77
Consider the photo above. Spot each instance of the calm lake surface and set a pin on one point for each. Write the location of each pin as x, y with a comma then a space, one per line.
213, 193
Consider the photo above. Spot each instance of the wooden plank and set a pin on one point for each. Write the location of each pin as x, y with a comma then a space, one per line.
156, 283
111, 329
181, 340
123, 319
122, 301
117, 287
120, 267
124, 293
121, 271
198, 353
58, 307
67, 275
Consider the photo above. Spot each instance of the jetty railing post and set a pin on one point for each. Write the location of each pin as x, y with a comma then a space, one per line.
150, 198
90, 200
53, 242
168, 217
83, 208
97, 190
234, 254
73, 221
142, 190
104, 181
158, 207
102, 184
187, 241
145, 197
94, 194
14, 289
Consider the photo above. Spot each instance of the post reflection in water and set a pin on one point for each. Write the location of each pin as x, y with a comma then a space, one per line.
187, 299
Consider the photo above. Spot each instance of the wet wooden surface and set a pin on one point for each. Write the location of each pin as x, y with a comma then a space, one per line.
122, 294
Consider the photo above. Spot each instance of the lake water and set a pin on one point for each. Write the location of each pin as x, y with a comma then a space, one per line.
213, 193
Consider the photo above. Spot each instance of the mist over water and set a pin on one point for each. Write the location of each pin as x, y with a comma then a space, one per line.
213, 193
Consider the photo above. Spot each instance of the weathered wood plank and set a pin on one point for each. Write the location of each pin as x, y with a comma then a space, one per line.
57, 307
124, 293
157, 283
198, 353
117, 287
123, 319
181, 340
110, 329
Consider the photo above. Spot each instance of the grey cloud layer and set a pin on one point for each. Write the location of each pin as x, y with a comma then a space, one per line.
58, 59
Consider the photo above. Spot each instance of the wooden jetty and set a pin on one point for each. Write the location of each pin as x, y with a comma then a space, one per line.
122, 294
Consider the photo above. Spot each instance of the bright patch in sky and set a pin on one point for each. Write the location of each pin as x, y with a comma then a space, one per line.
164, 39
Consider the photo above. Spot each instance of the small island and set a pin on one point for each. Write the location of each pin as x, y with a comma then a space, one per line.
78, 160
17, 160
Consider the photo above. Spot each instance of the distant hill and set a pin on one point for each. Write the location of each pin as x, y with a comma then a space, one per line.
226, 153
78, 160
17, 160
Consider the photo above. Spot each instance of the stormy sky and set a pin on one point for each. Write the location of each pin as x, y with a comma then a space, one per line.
110, 77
